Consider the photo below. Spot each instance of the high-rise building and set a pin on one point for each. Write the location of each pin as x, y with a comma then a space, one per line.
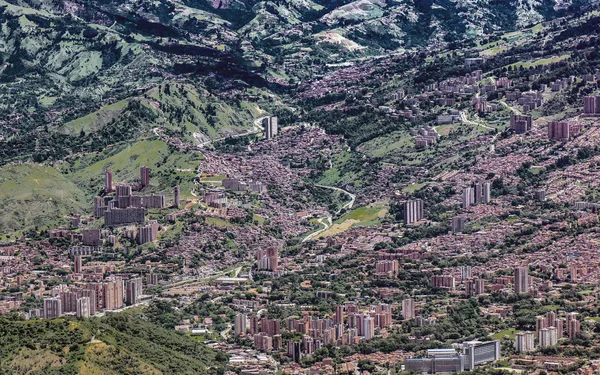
408, 309
133, 290
478, 353
386, 268
268, 260
76, 221
524, 342
368, 328
294, 350
521, 280
413, 211
487, 193
144, 176
112, 293
117, 216
521, 123
458, 224
589, 105
466, 272
99, 207
240, 324
573, 326
475, 287
468, 197
52, 308
547, 337
446, 282
77, 264
92, 237
270, 127
83, 307
339, 314
148, 233
176, 198
108, 181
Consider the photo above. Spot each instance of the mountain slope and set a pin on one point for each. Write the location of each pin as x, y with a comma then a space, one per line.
35, 195
115, 344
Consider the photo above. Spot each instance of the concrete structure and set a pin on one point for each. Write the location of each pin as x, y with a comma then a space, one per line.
408, 309
268, 260
520, 123
563, 130
458, 224
118, 216
52, 308
77, 264
271, 127
108, 181
548, 337
239, 325
148, 233
524, 342
83, 307
438, 361
144, 176
133, 290
521, 280
478, 353
413, 211
176, 196
91, 237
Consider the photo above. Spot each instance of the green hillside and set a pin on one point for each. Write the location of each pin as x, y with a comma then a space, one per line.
116, 344
35, 195
181, 109
168, 166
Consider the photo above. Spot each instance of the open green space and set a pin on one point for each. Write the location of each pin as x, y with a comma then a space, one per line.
34, 195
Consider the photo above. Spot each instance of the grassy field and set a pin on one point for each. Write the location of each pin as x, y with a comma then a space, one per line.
511, 333
540, 62
358, 217
94, 121
34, 195
215, 221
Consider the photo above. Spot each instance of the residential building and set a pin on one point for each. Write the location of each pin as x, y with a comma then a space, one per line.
521, 280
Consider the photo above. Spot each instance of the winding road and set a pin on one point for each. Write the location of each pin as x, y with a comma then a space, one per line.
327, 222
514, 110
257, 128
463, 118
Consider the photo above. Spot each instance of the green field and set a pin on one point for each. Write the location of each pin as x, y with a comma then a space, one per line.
511, 333
362, 216
94, 121
34, 195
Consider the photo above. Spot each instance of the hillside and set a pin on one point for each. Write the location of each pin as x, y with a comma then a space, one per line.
169, 167
116, 344
35, 195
